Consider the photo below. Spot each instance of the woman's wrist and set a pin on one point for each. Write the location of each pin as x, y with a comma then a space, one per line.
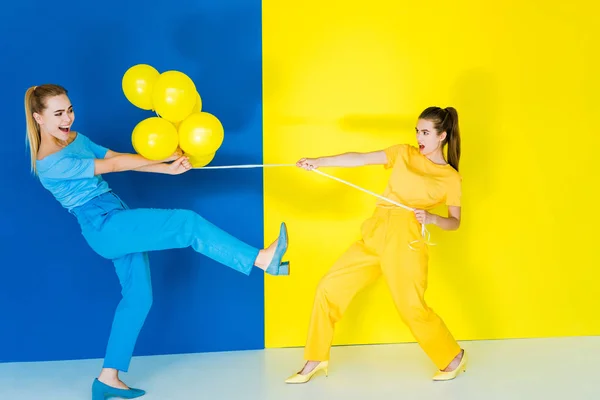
445, 223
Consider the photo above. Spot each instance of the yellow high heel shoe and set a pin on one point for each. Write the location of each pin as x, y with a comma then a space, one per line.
298, 378
446, 376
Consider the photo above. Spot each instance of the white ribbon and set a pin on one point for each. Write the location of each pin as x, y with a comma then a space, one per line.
424, 231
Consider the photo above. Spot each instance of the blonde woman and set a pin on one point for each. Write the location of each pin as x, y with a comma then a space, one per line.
70, 166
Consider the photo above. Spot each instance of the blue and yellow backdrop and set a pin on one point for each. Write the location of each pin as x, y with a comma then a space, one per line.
310, 79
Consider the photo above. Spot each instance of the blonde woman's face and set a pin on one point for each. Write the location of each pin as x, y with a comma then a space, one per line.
57, 118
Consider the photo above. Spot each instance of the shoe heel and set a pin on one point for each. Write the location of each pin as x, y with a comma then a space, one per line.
98, 394
284, 268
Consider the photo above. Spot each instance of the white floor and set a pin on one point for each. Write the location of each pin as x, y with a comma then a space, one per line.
545, 369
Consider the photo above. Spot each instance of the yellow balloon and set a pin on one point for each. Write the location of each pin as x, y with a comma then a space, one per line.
200, 134
198, 105
174, 96
201, 161
155, 138
138, 85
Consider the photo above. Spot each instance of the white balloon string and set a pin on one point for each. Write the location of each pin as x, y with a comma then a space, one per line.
246, 166
424, 231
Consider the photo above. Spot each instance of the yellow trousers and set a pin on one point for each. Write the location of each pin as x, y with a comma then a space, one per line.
383, 250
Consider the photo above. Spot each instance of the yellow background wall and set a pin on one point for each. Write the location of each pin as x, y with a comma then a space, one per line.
353, 76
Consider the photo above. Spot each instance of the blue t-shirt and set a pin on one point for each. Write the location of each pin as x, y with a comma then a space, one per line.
69, 173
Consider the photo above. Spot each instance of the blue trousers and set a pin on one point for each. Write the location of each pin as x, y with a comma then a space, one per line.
125, 236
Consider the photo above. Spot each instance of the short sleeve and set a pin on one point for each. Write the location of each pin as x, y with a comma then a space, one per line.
70, 168
99, 151
392, 153
453, 196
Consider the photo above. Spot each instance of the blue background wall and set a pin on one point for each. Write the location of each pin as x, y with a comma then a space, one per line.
57, 297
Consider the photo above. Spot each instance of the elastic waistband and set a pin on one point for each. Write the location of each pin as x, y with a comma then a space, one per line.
91, 201
393, 210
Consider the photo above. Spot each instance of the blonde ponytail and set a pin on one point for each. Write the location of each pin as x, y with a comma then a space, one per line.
33, 138
35, 102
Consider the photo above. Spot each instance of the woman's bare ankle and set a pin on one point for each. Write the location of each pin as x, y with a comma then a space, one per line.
110, 377
109, 373
308, 367
455, 362
265, 256
261, 260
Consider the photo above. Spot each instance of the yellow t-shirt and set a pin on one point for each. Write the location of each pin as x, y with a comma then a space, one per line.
418, 182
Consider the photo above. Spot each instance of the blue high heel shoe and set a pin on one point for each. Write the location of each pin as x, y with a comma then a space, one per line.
276, 267
101, 391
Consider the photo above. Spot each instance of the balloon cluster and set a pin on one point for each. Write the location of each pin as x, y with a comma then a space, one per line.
180, 121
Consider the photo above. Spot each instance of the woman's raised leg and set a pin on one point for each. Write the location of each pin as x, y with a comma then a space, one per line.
127, 231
